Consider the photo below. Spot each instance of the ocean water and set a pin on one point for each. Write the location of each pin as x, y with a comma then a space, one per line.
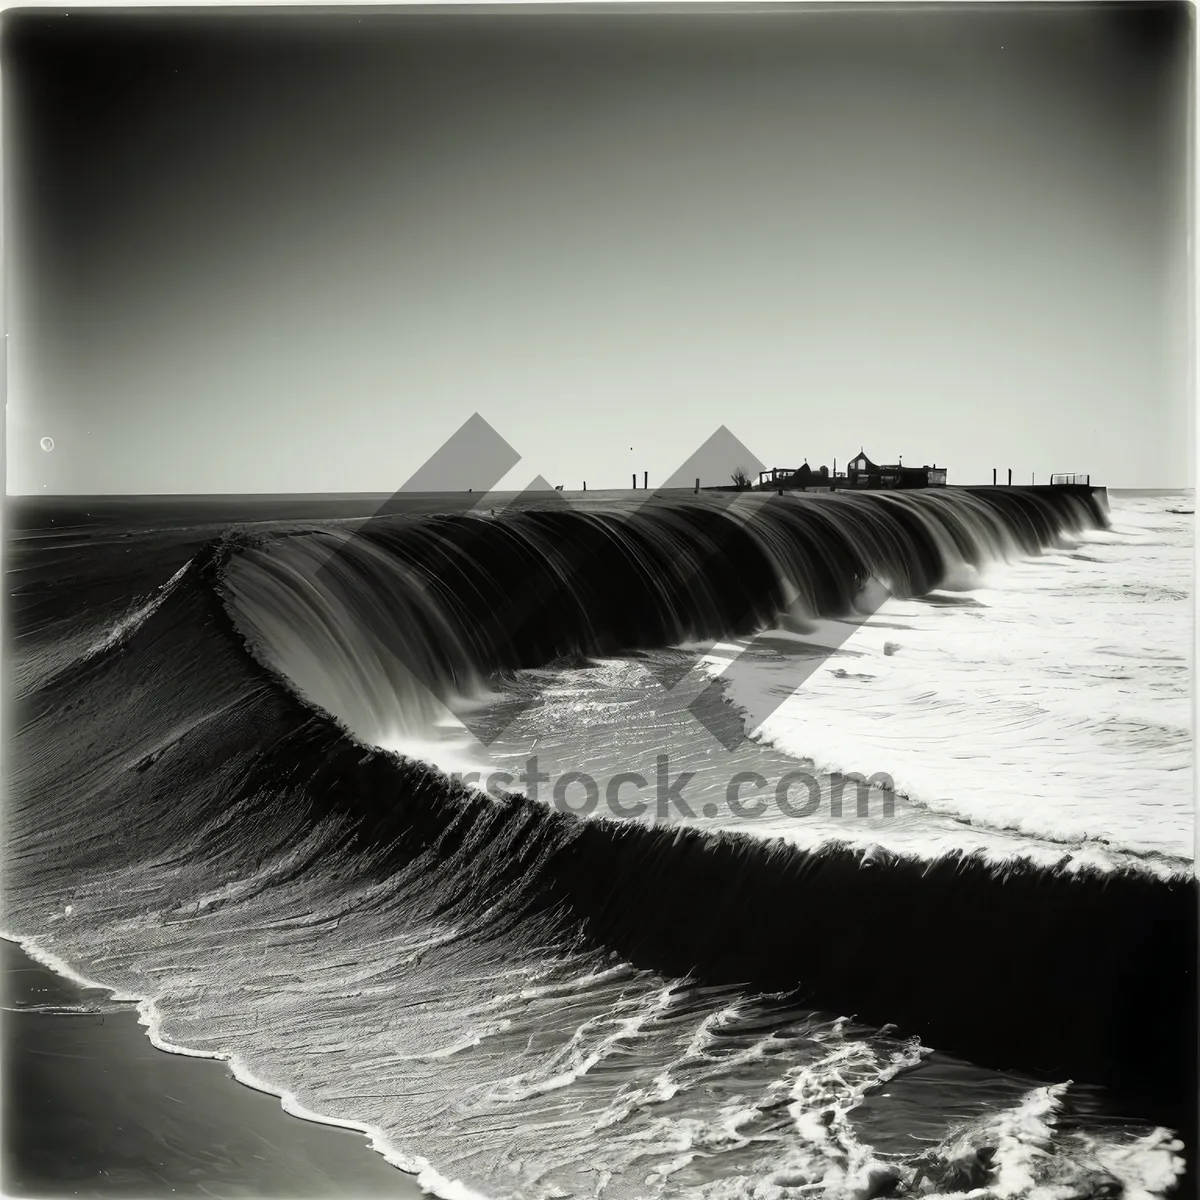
234, 801
1051, 698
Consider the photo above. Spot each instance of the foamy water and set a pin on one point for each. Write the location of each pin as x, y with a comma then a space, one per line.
1044, 704
1053, 699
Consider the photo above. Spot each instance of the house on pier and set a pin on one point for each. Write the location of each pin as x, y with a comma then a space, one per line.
861, 472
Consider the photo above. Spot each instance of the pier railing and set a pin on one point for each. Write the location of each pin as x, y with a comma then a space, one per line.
1066, 480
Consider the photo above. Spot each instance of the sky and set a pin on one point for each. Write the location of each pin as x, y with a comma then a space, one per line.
296, 250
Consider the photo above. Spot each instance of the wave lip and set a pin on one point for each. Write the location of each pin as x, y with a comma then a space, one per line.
395, 626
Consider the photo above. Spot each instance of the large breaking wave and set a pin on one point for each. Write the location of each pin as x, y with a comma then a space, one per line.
414, 612
235, 731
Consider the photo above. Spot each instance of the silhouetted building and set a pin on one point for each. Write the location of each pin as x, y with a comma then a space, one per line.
861, 472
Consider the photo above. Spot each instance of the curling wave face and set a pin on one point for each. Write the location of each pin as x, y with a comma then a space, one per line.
389, 624
535, 1004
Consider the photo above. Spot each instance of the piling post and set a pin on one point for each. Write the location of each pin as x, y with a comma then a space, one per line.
646, 479
1010, 476
635, 481
585, 485
697, 485
993, 477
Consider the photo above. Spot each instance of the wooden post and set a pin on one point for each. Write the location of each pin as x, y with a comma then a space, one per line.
1089, 480
1031, 479
993, 477
1010, 476
585, 485
635, 481
697, 485
645, 479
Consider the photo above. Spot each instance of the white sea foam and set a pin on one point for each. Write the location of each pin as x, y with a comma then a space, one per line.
1058, 705
149, 1016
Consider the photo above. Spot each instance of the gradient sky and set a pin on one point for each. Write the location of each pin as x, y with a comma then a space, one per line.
293, 251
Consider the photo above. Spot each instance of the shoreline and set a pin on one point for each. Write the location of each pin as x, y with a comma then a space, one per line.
94, 1107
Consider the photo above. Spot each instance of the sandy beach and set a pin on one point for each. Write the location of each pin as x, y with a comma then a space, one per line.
93, 1108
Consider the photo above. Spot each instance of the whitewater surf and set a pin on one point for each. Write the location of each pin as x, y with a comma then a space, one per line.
232, 795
